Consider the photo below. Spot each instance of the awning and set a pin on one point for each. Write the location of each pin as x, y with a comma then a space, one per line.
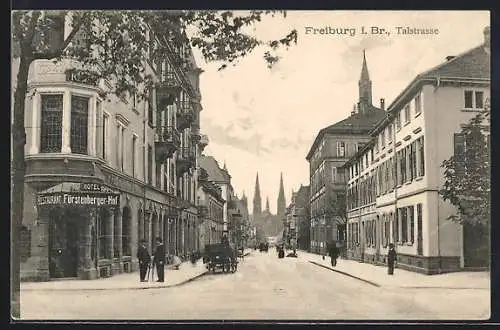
79, 194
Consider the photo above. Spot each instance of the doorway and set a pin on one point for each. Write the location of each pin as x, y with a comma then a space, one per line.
63, 245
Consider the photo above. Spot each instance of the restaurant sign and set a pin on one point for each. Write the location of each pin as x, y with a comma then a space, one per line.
79, 199
69, 194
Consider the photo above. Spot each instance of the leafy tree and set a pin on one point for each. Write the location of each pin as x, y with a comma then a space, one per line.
113, 45
467, 173
336, 209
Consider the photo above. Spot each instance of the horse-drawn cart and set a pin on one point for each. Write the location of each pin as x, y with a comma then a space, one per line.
221, 256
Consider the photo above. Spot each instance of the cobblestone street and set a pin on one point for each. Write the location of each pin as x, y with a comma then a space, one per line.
264, 287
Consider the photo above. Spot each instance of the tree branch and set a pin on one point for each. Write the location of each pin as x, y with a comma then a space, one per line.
30, 33
58, 52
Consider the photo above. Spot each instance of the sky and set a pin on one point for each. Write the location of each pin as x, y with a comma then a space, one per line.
265, 120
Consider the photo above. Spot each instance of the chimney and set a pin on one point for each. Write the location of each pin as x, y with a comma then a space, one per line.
486, 33
353, 110
382, 104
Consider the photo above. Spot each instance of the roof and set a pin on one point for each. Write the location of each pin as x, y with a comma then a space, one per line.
474, 63
356, 123
471, 65
215, 173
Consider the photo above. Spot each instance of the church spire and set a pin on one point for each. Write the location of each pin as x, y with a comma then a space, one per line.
257, 202
281, 198
365, 88
267, 205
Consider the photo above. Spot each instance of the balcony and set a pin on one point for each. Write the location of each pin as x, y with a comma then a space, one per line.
167, 91
185, 115
167, 142
186, 159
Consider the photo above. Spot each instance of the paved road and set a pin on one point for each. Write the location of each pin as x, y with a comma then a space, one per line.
264, 287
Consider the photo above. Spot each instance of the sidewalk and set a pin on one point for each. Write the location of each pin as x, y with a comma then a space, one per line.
186, 273
377, 275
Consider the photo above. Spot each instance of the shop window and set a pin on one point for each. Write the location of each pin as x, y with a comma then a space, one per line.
51, 123
79, 124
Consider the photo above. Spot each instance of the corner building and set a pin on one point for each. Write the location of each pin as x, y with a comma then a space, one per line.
394, 180
332, 147
139, 156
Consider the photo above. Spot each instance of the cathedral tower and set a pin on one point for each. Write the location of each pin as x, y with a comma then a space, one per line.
365, 88
281, 198
257, 201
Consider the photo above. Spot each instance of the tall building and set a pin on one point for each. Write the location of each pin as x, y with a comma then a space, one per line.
281, 198
257, 201
210, 207
394, 180
103, 172
332, 147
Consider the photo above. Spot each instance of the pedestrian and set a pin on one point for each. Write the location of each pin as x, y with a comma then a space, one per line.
176, 262
391, 259
334, 253
144, 259
159, 260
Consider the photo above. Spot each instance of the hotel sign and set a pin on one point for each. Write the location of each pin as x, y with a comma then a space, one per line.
83, 194
79, 199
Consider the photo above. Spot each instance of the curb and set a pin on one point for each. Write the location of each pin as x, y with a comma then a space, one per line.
125, 288
346, 274
398, 286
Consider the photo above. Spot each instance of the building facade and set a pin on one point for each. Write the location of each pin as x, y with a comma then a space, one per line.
393, 182
333, 146
210, 210
84, 143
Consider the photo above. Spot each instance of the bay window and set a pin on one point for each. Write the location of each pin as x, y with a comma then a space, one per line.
51, 123
79, 124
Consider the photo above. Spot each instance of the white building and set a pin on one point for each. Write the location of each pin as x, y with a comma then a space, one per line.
395, 199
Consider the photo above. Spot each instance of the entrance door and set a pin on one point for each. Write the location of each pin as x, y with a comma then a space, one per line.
63, 253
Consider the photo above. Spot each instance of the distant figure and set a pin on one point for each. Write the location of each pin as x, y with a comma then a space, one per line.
159, 259
391, 259
334, 253
176, 262
224, 240
144, 258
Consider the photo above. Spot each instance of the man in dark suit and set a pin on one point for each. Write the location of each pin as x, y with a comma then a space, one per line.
159, 259
144, 259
